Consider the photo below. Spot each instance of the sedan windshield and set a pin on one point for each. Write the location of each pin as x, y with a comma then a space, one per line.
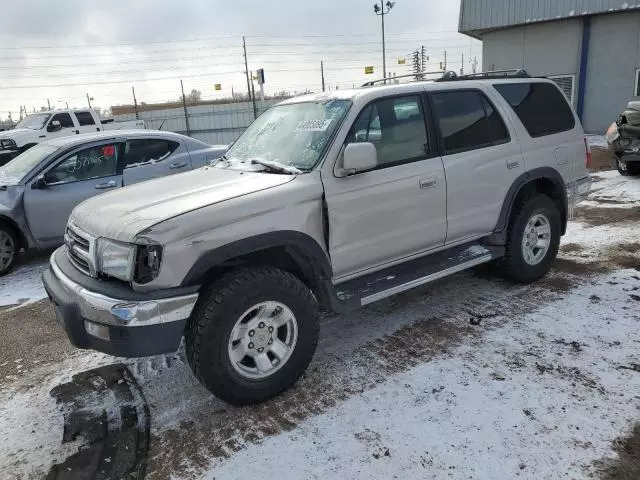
14, 171
34, 122
292, 135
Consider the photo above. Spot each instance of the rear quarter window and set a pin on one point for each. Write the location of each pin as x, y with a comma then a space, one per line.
541, 107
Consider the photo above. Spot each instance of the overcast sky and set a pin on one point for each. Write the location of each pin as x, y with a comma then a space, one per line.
62, 50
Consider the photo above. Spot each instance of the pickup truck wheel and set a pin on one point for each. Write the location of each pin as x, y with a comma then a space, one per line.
8, 249
533, 240
622, 168
252, 334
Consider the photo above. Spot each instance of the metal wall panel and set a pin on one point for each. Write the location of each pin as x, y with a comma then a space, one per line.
478, 15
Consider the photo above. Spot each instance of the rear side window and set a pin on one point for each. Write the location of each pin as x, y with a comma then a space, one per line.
468, 121
85, 118
140, 152
541, 107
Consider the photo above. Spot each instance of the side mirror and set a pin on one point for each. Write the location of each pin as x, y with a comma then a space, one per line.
54, 126
359, 157
39, 184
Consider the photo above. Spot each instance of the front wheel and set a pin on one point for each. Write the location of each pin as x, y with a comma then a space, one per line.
533, 240
252, 334
627, 168
8, 249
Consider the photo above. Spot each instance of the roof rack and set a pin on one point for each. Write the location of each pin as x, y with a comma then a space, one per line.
391, 80
512, 73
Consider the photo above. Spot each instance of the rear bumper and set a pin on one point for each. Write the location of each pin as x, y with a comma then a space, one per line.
125, 327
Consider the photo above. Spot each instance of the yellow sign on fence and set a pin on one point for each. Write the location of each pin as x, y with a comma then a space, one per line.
402, 61
368, 70
218, 86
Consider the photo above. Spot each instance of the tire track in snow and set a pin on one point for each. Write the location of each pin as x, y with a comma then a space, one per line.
427, 328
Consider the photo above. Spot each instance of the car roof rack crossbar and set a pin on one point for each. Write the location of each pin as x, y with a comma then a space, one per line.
391, 80
511, 73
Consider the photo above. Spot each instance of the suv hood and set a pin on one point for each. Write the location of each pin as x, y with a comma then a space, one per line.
17, 133
122, 214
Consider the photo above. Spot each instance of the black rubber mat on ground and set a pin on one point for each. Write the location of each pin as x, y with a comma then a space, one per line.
106, 409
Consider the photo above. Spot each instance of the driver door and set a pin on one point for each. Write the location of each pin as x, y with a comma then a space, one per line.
70, 180
66, 124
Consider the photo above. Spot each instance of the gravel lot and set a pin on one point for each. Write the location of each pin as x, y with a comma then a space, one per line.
470, 377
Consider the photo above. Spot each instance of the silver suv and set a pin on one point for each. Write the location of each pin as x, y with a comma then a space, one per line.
327, 201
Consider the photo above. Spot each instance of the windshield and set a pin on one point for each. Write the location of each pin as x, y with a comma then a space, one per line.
34, 122
16, 169
292, 135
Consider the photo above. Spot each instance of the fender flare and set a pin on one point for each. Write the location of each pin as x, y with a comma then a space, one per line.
22, 238
305, 251
547, 173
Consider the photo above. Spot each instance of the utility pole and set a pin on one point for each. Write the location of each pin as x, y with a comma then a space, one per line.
89, 100
135, 103
423, 59
184, 106
382, 11
445, 60
462, 67
416, 64
252, 94
322, 74
48, 104
474, 64
246, 69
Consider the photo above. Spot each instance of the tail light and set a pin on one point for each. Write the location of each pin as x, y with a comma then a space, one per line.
587, 148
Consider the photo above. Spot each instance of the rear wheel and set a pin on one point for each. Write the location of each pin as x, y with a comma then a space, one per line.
252, 334
8, 248
626, 168
533, 239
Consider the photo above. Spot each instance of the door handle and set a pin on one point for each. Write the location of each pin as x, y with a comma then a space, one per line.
512, 165
77, 132
105, 185
177, 165
427, 182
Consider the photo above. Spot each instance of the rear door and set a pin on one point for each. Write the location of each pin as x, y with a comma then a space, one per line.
71, 179
481, 160
148, 158
86, 122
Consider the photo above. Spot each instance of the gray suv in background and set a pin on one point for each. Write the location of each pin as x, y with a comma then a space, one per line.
40, 187
334, 201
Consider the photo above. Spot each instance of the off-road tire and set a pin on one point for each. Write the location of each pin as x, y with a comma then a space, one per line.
633, 168
220, 306
513, 266
13, 238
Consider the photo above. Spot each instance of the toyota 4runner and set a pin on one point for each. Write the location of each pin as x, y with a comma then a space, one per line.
327, 201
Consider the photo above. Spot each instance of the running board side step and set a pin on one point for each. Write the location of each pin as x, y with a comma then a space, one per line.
414, 273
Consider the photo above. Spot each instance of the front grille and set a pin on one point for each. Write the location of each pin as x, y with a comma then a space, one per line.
80, 250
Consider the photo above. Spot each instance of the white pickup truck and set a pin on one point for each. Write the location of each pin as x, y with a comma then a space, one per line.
42, 126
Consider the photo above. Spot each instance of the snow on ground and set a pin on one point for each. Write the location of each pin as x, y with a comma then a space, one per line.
23, 285
469, 377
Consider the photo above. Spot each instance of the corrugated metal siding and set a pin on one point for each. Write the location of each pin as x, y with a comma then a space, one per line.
478, 15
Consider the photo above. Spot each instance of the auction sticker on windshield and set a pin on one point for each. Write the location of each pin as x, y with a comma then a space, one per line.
313, 125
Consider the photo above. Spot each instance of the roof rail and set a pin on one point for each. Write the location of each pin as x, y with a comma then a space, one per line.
390, 80
512, 73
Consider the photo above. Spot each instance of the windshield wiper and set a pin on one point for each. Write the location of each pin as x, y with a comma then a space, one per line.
276, 167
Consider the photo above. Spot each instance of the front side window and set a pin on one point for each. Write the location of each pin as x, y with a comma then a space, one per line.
396, 127
64, 119
293, 135
462, 119
541, 107
94, 162
140, 152
85, 118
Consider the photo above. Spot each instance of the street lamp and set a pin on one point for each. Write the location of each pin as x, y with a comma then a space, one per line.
382, 10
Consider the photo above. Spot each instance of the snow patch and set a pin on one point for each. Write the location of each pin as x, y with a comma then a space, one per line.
23, 285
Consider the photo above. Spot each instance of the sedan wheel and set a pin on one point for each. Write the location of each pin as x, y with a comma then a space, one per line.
8, 250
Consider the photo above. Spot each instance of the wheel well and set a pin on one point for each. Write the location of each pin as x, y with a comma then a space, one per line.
22, 241
287, 258
544, 186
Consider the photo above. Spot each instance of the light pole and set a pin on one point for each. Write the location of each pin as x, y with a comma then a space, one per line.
382, 11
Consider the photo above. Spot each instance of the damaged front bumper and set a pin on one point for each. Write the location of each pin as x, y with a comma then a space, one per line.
109, 317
